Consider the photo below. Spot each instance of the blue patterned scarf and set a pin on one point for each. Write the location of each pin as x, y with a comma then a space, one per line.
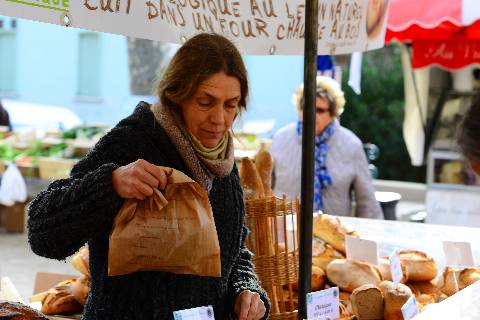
322, 179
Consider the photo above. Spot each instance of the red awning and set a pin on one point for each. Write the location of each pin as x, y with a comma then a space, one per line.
442, 32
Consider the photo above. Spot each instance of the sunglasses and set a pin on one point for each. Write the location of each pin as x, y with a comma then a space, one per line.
321, 111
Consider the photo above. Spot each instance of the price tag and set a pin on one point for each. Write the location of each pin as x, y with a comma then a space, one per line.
410, 309
458, 254
396, 268
362, 250
323, 305
200, 313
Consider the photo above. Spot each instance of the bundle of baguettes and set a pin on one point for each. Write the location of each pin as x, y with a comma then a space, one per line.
256, 177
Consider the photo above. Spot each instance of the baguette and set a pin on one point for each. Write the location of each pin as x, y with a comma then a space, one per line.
384, 267
332, 231
420, 266
251, 181
264, 165
80, 261
349, 275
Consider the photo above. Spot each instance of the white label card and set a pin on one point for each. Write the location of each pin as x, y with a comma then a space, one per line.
200, 313
362, 250
458, 254
396, 268
323, 305
410, 309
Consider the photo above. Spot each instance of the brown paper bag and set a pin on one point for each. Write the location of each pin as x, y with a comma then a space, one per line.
170, 232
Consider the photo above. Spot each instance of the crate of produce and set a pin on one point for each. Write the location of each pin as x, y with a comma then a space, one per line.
55, 168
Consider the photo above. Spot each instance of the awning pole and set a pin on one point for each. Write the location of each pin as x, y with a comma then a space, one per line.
308, 154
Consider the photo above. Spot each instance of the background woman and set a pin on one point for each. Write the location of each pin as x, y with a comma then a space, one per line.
341, 167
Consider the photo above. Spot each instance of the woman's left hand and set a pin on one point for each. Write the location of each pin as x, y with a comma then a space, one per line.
249, 306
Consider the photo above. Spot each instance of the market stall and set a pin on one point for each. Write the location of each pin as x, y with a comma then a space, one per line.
440, 45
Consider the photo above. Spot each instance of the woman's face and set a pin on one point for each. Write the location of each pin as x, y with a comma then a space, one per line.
322, 115
210, 112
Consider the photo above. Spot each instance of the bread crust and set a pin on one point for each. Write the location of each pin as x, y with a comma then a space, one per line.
349, 275
420, 266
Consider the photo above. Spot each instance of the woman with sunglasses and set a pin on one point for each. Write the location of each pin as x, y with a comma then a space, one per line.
341, 167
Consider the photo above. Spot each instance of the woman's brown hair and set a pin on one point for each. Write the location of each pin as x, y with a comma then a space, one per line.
469, 133
199, 58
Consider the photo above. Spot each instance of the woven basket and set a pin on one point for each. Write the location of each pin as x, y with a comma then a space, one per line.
276, 251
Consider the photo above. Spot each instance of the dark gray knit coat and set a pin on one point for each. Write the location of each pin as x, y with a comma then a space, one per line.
81, 209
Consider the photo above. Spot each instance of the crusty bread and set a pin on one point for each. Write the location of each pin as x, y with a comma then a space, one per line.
318, 279
264, 165
80, 261
367, 302
384, 267
332, 231
419, 288
251, 181
458, 279
394, 299
349, 275
449, 283
60, 302
420, 266
80, 288
18, 311
426, 299
323, 254
468, 276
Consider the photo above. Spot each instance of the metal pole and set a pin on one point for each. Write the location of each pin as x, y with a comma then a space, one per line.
308, 154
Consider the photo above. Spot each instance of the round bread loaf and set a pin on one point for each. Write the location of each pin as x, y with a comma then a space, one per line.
367, 302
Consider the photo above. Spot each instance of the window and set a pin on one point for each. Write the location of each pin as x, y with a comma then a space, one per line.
89, 65
8, 48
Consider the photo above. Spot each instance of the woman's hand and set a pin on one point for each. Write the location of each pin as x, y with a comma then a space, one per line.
249, 306
138, 180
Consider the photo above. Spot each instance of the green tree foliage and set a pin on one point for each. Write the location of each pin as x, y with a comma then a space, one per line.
376, 115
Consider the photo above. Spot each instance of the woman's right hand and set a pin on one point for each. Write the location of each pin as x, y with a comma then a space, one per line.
138, 180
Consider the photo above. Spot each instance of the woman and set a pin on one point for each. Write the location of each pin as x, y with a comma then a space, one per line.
469, 135
202, 91
340, 162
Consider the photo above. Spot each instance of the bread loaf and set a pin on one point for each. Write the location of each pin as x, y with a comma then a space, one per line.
332, 231
468, 276
454, 280
61, 303
394, 299
420, 266
80, 288
384, 267
264, 165
450, 282
323, 254
349, 275
419, 288
60, 300
367, 302
318, 279
18, 311
251, 181
80, 261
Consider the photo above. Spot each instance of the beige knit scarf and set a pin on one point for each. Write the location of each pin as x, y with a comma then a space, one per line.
204, 170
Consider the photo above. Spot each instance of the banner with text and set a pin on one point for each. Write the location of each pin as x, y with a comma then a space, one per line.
257, 26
